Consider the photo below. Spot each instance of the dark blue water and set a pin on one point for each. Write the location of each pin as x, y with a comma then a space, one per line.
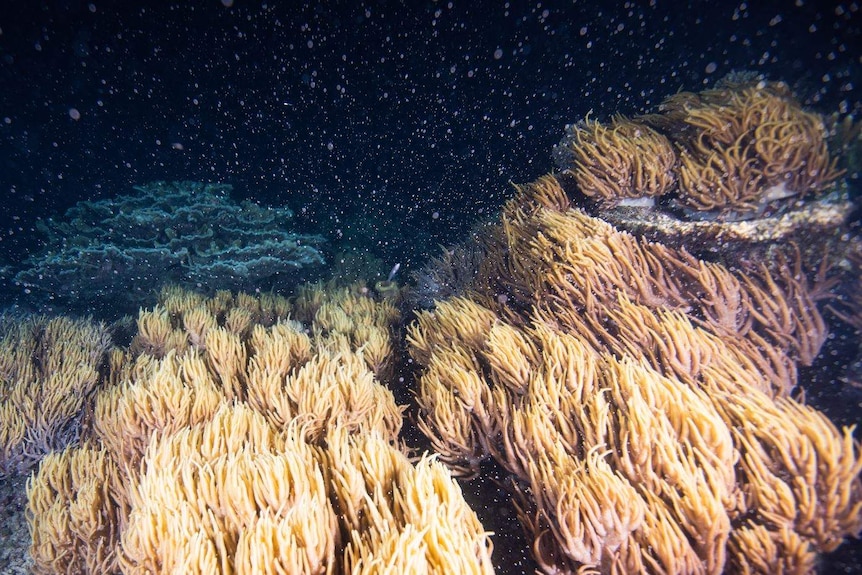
387, 126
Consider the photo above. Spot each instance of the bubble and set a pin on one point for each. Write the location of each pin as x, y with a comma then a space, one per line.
711, 67
74, 114
498, 53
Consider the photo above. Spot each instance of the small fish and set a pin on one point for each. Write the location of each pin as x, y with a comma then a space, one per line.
394, 271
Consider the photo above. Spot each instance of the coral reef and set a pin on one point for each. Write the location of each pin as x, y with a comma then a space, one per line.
818, 226
753, 175
49, 371
847, 307
231, 438
118, 252
624, 160
640, 399
741, 148
450, 273
727, 153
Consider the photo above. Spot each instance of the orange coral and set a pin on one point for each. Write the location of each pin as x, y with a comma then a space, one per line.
622, 160
640, 398
49, 371
229, 442
751, 146
732, 150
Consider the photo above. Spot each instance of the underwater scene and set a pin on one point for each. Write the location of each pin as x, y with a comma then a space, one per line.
452, 287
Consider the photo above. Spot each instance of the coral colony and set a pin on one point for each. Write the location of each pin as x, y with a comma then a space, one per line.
190, 234
724, 153
638, 402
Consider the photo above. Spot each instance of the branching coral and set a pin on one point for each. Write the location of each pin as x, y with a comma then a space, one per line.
640, 398
621, 161
235, 440
75, 505
229, 492
49, 370
726, 152
403, 518
119, 250
750, 146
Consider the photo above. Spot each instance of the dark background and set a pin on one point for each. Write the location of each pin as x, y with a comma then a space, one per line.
388, 127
